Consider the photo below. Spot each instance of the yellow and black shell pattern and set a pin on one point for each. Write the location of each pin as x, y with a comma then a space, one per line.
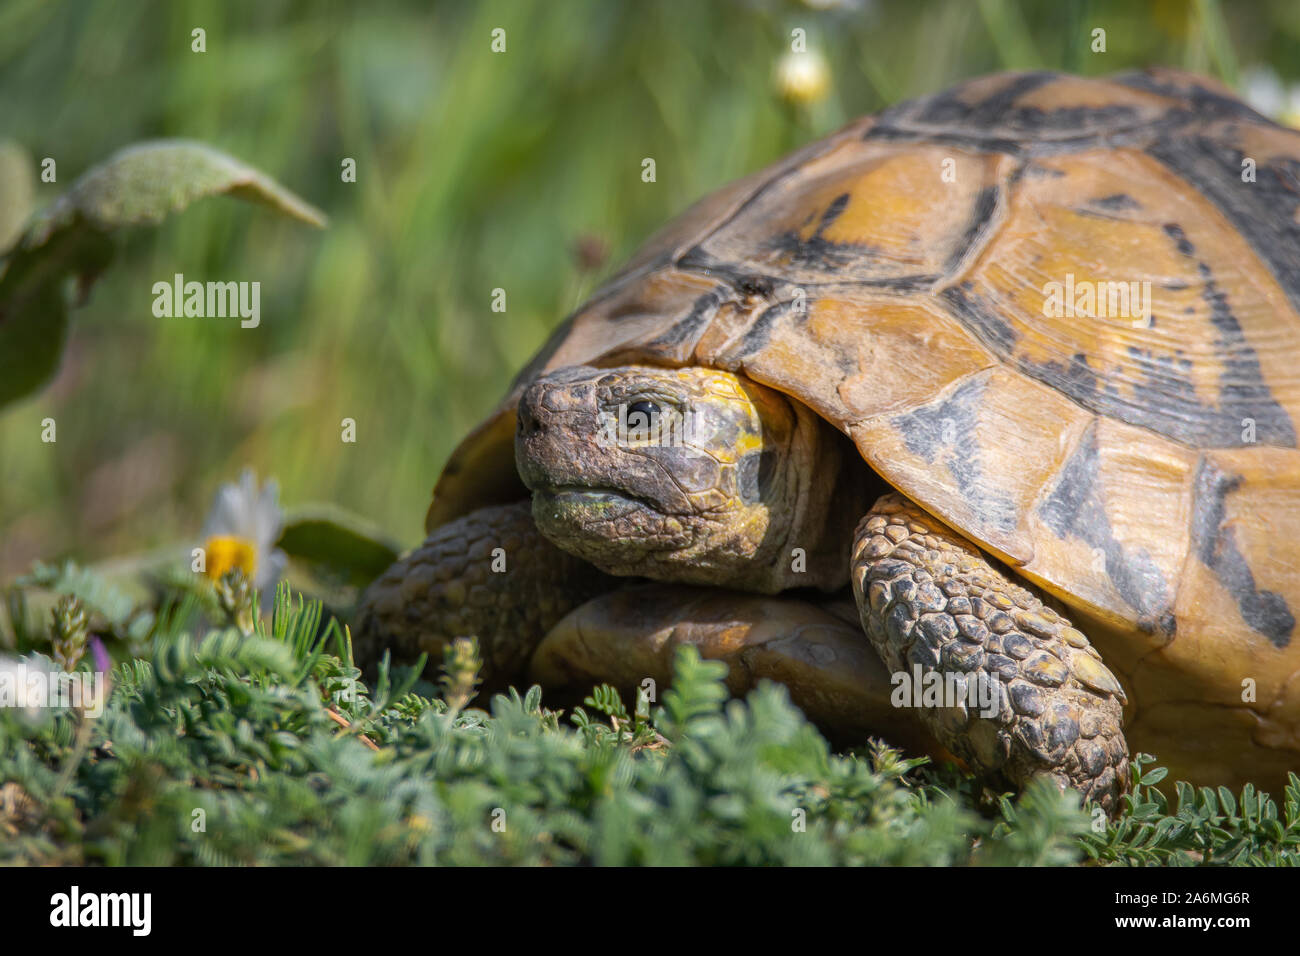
1060, 314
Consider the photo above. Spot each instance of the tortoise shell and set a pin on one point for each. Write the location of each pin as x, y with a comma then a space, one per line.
921, 278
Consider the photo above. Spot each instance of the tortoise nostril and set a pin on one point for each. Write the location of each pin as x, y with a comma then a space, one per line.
528, 422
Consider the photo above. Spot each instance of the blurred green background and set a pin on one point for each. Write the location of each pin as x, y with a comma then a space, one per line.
476, 170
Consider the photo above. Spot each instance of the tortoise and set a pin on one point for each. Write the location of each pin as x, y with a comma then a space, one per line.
1004, 378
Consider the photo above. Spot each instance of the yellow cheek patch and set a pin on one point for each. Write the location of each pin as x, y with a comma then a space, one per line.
226, 552
748, 442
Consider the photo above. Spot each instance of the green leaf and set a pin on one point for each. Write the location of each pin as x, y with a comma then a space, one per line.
699, 690
32, 336
142, 184
139, 185
337, 543
1154, 777
17, 192
1249, 802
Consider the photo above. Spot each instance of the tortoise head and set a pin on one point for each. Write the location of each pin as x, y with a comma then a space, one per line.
690, 474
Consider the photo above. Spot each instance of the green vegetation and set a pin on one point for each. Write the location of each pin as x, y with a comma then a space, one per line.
263, 745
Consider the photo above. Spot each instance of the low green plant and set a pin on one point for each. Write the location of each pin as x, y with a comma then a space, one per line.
264, 745
1207, 827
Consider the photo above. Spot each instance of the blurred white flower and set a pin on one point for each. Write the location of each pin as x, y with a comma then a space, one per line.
241, 531
1263, 89
803, 78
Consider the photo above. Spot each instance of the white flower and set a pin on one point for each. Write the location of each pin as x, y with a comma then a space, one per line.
241, 531
803, 78
1263, 89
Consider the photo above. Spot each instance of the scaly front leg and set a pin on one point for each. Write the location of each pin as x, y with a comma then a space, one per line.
1023, 692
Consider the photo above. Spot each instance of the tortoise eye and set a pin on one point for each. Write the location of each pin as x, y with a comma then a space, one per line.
641, 414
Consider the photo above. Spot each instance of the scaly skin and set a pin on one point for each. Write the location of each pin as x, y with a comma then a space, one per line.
928, 597
733, 479
447, 588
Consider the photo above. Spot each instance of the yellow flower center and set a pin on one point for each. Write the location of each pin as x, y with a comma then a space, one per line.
226, 552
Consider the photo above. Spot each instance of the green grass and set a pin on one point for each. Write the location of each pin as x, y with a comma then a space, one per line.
264, 746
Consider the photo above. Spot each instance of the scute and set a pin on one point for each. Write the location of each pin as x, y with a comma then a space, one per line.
1120, 227
1243, 563
863, 213
1250, 171
972, 455
1117, 512
1145, 473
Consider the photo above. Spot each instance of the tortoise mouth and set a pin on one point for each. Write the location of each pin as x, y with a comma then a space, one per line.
568, 498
